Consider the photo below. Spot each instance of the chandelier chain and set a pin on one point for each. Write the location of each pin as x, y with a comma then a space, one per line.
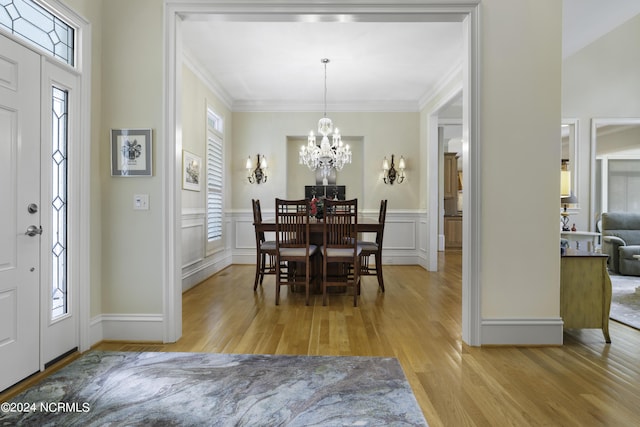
325, 61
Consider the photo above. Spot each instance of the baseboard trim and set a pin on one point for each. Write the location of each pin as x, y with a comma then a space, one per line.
126, 327
204, 271
522, 331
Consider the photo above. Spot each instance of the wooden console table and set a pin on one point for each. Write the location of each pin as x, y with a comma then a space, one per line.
585, 291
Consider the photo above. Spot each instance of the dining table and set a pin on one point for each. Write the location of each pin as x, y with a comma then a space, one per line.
316, 226
316, 229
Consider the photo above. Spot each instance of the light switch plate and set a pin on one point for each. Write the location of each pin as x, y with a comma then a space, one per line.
141, 202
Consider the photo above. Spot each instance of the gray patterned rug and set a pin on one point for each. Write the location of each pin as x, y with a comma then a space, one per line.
201, 389
625, 300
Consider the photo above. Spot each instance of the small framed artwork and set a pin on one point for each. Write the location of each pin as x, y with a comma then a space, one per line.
191, 171
131, 152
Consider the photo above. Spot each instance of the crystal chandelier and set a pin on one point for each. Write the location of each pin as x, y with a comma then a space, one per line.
328, 154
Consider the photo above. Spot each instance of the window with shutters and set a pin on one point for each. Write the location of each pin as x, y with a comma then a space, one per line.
618, 184
215, 182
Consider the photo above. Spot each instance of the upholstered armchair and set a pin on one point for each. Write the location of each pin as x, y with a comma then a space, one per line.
621, 241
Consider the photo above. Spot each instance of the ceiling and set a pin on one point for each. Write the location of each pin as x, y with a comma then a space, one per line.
374, 66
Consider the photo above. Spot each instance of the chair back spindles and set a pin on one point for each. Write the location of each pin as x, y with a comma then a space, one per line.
293, 250
291, 223
340, 247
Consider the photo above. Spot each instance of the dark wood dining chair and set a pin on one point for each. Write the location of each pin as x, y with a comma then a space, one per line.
340, 247
374, 249
265, 249
293, 248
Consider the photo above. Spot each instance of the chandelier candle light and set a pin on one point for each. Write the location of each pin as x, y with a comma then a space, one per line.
328, 155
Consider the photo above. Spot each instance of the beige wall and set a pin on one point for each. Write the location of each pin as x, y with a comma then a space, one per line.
196, 98
520, 148
132, 89
127, 63
382, 134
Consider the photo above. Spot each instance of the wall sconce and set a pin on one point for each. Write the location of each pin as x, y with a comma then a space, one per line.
390, 172
565, 178
259, 174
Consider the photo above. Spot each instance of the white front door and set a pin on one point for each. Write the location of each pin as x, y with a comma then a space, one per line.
39, 106
19, 212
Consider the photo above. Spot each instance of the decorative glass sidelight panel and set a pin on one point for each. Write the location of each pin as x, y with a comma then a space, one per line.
35, 24
59, 294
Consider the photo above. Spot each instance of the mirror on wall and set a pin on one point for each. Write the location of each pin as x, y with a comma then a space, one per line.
615, 152
569, 152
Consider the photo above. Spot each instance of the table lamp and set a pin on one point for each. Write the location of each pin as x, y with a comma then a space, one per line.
564, 215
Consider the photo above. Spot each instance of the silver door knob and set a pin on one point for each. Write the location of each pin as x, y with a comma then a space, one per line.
32, 230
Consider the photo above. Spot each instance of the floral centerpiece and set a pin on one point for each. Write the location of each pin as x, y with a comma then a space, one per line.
317, 208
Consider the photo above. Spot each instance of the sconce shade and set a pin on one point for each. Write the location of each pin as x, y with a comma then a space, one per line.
565, 183
565, 178
385, 164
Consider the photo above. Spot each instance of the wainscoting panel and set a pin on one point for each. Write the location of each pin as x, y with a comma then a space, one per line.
245, 236
400, 234
193, 245
197, 264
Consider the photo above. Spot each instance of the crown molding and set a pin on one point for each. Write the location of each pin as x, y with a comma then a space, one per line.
206, 77
453, 77
362, 106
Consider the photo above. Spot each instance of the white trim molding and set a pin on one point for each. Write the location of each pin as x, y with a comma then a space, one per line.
127, 327
522, 331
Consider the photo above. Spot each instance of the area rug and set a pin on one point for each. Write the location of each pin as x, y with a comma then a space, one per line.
625, 300
202, 389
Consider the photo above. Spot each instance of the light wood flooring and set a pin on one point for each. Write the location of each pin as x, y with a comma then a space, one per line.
585, 382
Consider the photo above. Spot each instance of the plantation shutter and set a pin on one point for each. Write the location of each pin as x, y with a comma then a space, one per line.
214, 188
624, 185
